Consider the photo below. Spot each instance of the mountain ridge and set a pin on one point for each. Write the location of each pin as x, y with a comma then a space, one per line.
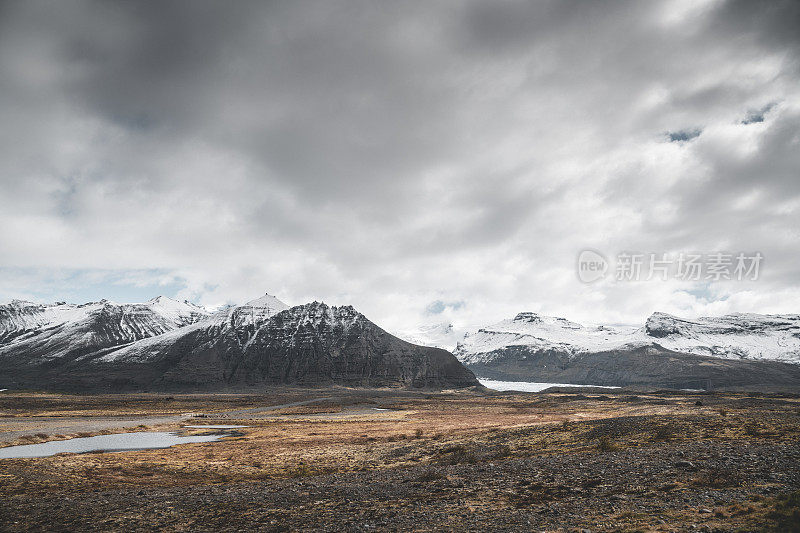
262, 343
733, 336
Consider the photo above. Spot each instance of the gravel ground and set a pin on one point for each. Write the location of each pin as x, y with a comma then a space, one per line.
597, 491
661, 462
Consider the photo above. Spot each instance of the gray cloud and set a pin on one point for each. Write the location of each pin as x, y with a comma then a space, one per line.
391, 155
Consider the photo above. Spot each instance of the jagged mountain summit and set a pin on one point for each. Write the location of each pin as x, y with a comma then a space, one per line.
269, 303
729, 351
263, 342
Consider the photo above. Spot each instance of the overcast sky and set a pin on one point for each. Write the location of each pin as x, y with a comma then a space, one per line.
422, 161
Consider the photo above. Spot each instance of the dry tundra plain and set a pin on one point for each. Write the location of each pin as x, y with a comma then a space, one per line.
373, 460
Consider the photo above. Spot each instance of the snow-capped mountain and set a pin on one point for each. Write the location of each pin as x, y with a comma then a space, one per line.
539, 332
66, 330
244, 319
167, 345
736, 336
733, 351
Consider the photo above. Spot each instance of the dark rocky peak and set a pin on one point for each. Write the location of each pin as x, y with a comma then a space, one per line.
21, 304
319, 315
662, 325
527, 316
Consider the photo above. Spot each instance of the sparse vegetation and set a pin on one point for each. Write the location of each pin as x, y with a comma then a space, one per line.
476, 459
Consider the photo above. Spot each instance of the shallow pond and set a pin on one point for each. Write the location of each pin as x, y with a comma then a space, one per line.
120, 442
527, 386
216, 427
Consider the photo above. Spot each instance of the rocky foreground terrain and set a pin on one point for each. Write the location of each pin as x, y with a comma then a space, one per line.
390, 461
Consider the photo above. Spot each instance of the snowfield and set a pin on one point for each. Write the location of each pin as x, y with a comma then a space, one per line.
442, 336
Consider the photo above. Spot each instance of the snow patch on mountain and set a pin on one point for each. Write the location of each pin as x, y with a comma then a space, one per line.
268, 301
443, 335
177, 312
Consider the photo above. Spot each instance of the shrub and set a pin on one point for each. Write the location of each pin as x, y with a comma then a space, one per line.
786, 515
718, 478
664, 433
502, 451
457, 454
605, 444
430, 475
753, 429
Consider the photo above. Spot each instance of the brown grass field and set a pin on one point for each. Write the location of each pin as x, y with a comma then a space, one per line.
365, 460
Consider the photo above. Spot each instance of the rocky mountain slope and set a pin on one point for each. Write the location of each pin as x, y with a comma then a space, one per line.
739, 350
260, 343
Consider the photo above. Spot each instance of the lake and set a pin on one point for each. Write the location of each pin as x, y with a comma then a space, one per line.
120, 442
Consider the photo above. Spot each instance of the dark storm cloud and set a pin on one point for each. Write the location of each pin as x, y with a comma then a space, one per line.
772, 24
435, 151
